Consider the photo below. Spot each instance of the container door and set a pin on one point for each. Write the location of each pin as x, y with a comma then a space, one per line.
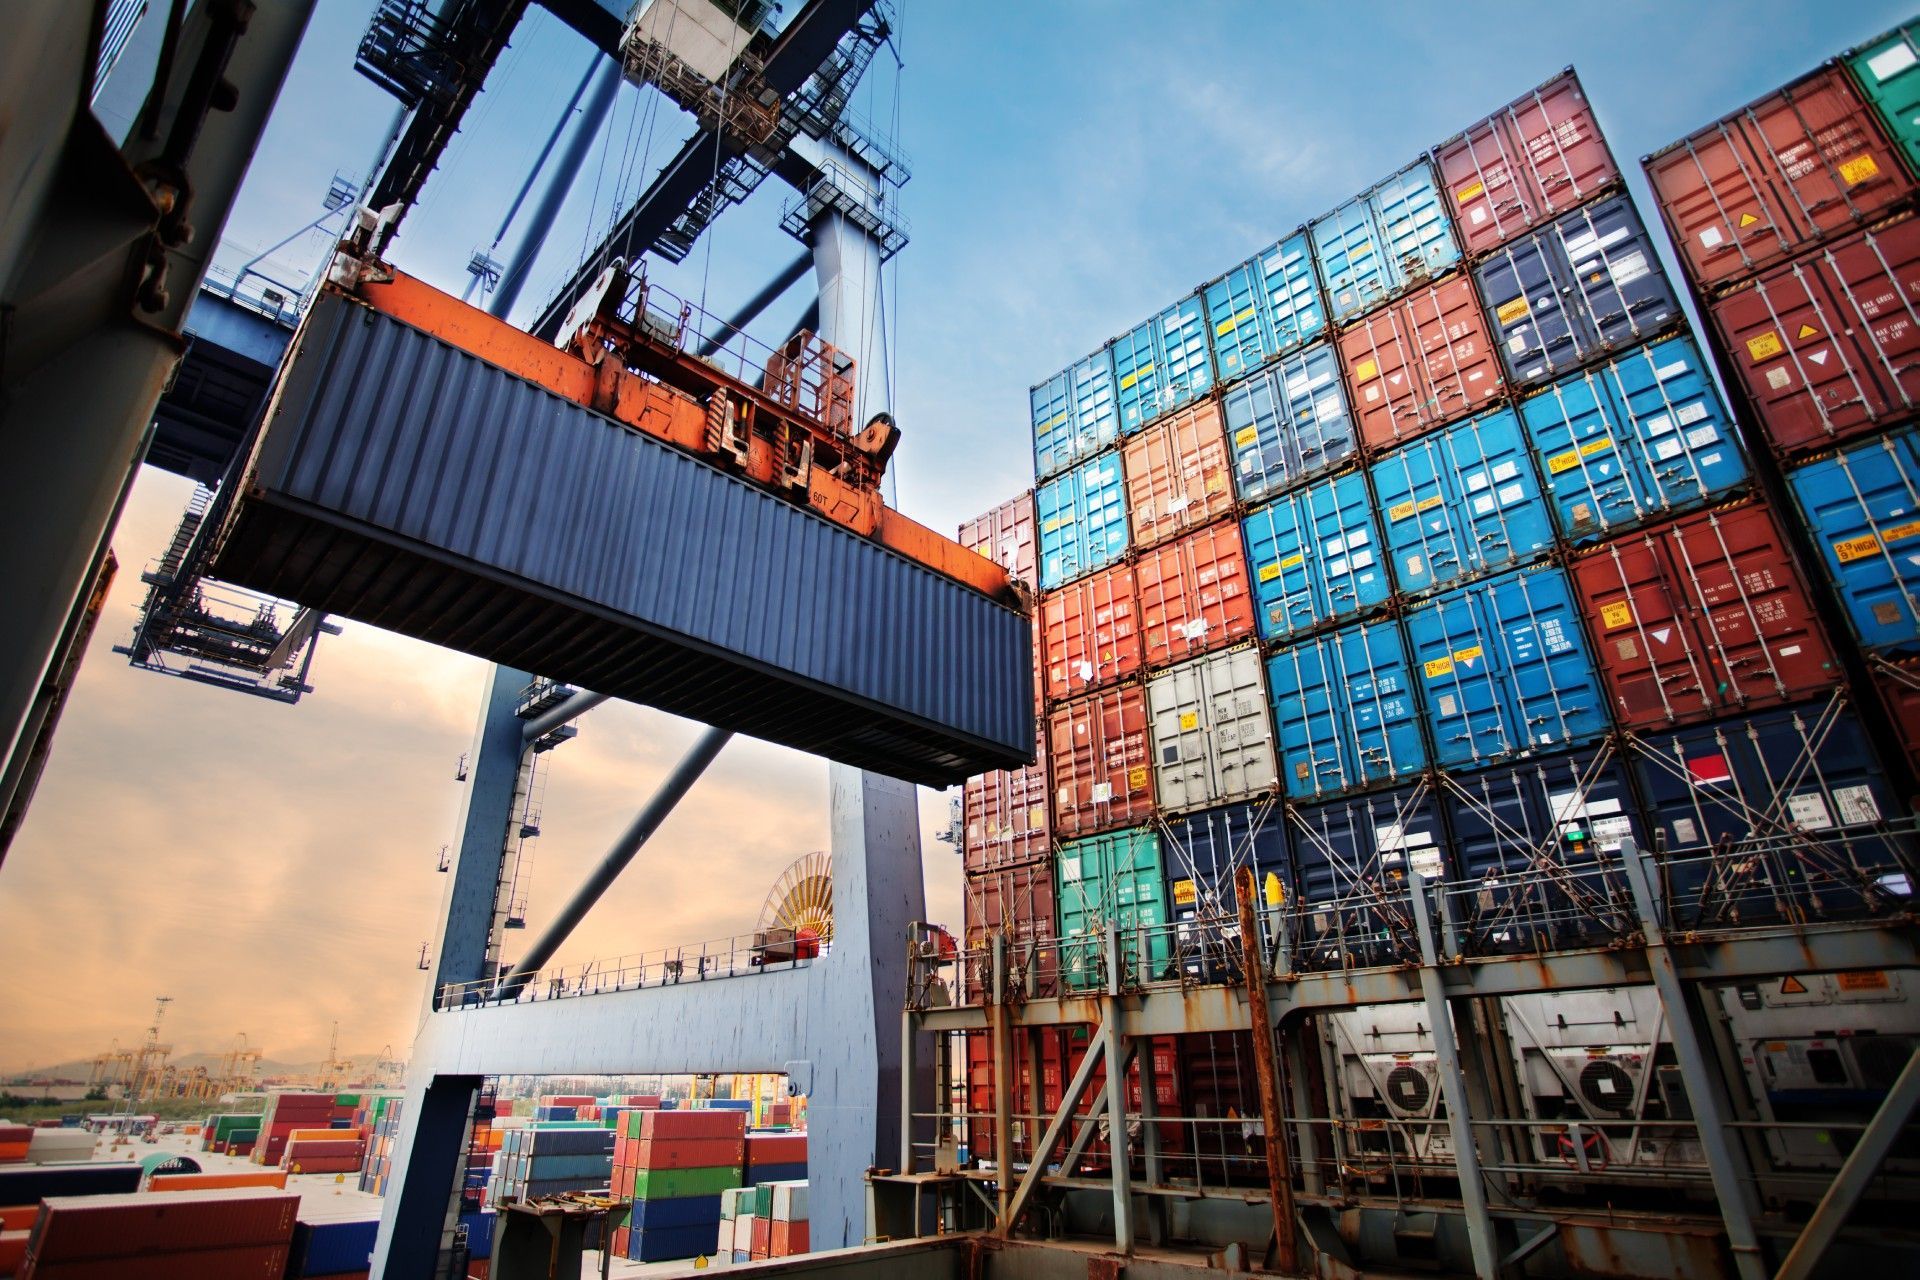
1494, 496
1833, 169
1060, 551
1423, 540
1292, 293
1351, 858
1454, 642
1074, 414
1241, 338
1565, 151
1529, 287
1081, 870
1622, 289
1346, 711
1346, 546
1242, 731
1558, 698
1578, 437
1176, 706
1104, 503
1863, 508
1177, 474
1091, 632
1888, 72
1354, 260
1418, 234
1649, 648
1485, 173
1099, 752
1288, 423
1391, 394
1455, 351
1682, 445
1722, 210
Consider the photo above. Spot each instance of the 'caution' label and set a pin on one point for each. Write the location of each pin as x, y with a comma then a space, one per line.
1508, 312
1764, 347
1473, 190
1857, 170
1617, 614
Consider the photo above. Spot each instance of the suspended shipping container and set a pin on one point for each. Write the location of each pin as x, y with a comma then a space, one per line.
1006, 535
1532, 160
1162, 364
1178, 474
1315, 557
1862, 507
1074, 414
1212, 736
1265, 306
1347, 714
1389, 237
1420, 362
1098, 746
1090, 632
1193, 595
1288, 423
1112, 880
1887, 72
1083, 520
1461, 502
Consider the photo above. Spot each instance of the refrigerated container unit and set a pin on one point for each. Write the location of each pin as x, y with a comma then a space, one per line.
1588, 285
1315, 557
1460, 503
1288, 423
1211, 730
1639, 438
1112, 880
1532, 160
1346, 712
1100, 753
1083, 520
1862, 509
1420, 362
1350, 861
1803, 164
1884, 71
1193, 595
1204, 853
1162, 364
1385, 1084
1389, 237
1179, 475
1090, 633
1265, 307
1075, 414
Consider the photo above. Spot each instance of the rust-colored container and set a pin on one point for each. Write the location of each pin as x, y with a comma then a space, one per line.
1179, 474
1090, 633
1049, 1053
1098, 747
1008, 536
1527, 163
1016, 900
1420, 363
1828, 345
1702, 617
1194, 595
1804, 163
126, 1229
1006, 814
762, 1237
1899, 686
787, 1239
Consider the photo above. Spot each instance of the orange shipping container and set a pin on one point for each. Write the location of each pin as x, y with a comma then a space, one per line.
1419, 363
787, 1239
1193, 595
1006, 813
1099, 747
1005, 535
762, 1237
1179, 474
216, 1181
1090, 633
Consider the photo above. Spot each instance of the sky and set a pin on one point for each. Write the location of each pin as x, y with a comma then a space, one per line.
1077, 166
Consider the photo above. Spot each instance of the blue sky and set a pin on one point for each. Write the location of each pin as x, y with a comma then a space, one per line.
1077, 166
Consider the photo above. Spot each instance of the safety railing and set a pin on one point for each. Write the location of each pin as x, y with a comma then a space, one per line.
743, 955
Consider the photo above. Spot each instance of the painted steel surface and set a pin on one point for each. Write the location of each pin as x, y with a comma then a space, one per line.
1162, 364
1862, 507
1347, 713
1288, 423
1016, 900
1461, 502
1351, 856
1202, 852
1083, 520
1090, 633
1264, 307
1007, 535
1100, 750
1075, 414
1193, 595
1111, 879
1212, 735
1505, 669
1887, 73
1640, 437
1006, 814
404, 483
1179, 476
1315, 556
1391, 236
1420, 362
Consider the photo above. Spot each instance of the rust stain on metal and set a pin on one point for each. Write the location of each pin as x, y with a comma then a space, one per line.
1106, 1266
1644, 1251
1279, 1175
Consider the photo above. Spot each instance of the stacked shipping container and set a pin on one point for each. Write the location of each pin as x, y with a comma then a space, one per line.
673, 1166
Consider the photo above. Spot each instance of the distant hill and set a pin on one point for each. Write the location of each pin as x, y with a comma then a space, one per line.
80, 1068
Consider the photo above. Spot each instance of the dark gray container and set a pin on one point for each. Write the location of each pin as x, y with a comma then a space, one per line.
407, 484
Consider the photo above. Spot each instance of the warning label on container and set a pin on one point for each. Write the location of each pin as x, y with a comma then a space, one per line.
1102, 792
1865, 980
1748, 219
1848, 550
1857, 170
1856, 805
1807, 331
1183, 893
1617, 614
1293, 561
1400, 511
1245, 436
1508, 312
1900, 531
1189, 720
1364, 370
1437, 667
1468, 656
1470, 191
1268, 572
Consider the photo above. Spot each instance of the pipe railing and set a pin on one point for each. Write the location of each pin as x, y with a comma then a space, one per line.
742, 955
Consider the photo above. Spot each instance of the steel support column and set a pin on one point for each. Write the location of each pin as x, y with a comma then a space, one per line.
1862, 1163
1732, 1179
426, 1166
1118, 1153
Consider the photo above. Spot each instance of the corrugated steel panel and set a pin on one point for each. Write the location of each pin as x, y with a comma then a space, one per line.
1780, 814
1863, 510
1345, 705
1090, 633
1420, 362
1532, 160
409, 485
1384, 239
1111, 879
1006, 814
1100, 750
1203, 852
1075, 414
77, 1228
1351, 859
1638, 438
1288, 423
1589, 284
1212, 736
1162, 364
1828, 346
1505, 669
1419, 235
980, 1091
1178, 474
1193, 595
1702, 617
1083, 520
1265, 306
1461, 502
1887, 72
1016, 900
1898, 683
1007, 535
1769, 180
1315, 557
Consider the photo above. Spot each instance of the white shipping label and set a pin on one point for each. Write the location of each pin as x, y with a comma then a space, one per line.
1390, 836
1778, 378
1336, 568
1711, 237
1363, 560
1505, 471
1069, 868
1674, 370
1483, 504
1333, 547
1195, 629
1247, 461
1608, 833
1567, 805
1299, 384
1479, 215
1629, 268
1373, 392
1658, 425
1701, 437
1102, 792
1085, 670
1414, 563
1685, 832
1666, 449
1426, 862
1513, 493
1517, 343
1688, 414
1892, 62
1476, 482
1449, 705
1856, 805
1066, 797
1604, 1084
1176, 505
1809, 810
1580, 245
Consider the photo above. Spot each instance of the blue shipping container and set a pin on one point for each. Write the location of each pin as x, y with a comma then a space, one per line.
664, 1244
1504, 669
1350, 860
682, 1211
1863, 508
1461, 502
1638, 438
479, 1233
759, 1173
1346, 711
1083, 521
1314, 556
1265, 306
1587, 284
1203, 853
331, 1247
1162, 364
1288, 423
1074, 414
1377, 244
1782, 814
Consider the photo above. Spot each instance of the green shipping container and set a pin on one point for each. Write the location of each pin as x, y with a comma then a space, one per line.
1888, 73
676, 1184
346, 1099
763, 1200
1116, 878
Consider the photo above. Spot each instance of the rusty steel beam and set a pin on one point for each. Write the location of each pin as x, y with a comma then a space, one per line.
1279, 1175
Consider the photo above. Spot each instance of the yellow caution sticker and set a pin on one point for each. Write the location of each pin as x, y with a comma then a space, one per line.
1848, 550
1592, 447
1571, 458
1364, 370
1857, 170
1055, 421
1276, 892
1232, 322
1189, 721
1137, 779
1865, 980
1216, 483
1508, 312
1268, 572
1617, 614
1130, 379
1470, 654
1806, 331
1400, 510
1900, 531
1183, 893
1438, 667
1748, 219
1294, 561
1764, 347
1470, 191
1428, 504
1245, 436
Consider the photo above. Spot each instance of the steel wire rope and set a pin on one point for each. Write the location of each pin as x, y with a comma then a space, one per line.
713, 179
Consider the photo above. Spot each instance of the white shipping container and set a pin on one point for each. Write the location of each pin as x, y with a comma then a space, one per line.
790, 1201
1212, 735
59, 1146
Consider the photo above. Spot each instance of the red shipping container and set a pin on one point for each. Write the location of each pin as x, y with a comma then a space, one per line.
1098, 750
1420, 363
350, 1147
688, 1153
1702, 617
1179, 474
72, 1228
1828, 345
1529, 162
785, 1239
1899, 686
1764, 183
776, 1148
1193, 595
692, 1123
1006, 813
246, 1262
13, 1251
1090, 633
1166, 1092
1049, 1053
762, 1237
1005, 535
1017, 901
621, 1235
